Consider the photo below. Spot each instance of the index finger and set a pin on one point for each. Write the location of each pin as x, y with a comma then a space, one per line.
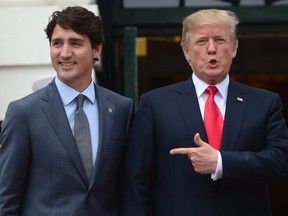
180, 151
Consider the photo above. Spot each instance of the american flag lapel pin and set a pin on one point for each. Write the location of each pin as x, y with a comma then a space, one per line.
110, 110
240, 99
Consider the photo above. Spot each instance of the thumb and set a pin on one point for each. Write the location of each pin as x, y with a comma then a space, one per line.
198, 141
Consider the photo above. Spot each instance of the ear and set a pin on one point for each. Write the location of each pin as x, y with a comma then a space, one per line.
234, 50
234, 53
186, 53
97, 50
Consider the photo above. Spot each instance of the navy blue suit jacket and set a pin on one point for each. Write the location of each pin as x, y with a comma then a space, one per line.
254, 153
41, 172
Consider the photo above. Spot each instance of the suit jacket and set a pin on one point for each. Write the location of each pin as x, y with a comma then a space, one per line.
254, 153
41, 172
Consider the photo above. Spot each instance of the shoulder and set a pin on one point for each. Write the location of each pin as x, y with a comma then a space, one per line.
172, 89
254, 96
108, 94
26, 101
252, 91
32, 99
166, 96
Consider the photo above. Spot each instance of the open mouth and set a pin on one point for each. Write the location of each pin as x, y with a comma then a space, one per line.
213, 63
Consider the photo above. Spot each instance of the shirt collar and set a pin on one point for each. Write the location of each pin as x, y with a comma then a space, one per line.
200, 86
68, 94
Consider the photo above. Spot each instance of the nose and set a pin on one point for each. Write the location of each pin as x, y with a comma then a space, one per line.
211, 49
66, 51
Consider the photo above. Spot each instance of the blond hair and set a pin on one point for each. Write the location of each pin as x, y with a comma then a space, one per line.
212, 17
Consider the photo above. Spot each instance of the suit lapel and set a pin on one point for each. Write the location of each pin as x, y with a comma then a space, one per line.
189, 107
106, 118
235, 110
53, 108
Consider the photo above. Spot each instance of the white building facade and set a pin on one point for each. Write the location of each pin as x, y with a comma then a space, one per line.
24, 48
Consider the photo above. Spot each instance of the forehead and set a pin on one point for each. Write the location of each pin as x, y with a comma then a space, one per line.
62, 33
210, 30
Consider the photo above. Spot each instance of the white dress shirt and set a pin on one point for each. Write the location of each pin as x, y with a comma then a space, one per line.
90, 108
220, 99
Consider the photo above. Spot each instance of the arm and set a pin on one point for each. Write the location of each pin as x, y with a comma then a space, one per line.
139, 164
268, 164
14, 160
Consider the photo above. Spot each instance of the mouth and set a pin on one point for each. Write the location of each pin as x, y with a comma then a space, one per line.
213, 63
66, 64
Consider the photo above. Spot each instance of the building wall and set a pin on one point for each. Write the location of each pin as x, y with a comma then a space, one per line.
24, 48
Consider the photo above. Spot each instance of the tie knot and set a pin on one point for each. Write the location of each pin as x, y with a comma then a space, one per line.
80, 100
211, 90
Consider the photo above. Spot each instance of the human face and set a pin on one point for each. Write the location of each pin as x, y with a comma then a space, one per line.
210, 52
72, 57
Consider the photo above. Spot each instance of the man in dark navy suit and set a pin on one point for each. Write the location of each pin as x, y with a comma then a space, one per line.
228, 180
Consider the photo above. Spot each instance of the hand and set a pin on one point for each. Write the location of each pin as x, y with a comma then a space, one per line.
204, 157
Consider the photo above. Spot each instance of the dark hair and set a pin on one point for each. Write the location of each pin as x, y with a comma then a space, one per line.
80, 20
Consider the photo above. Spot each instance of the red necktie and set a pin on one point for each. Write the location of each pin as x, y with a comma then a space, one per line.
213, 119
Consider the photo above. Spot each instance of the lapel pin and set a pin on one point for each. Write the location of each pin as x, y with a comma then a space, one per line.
110, 110
240, 99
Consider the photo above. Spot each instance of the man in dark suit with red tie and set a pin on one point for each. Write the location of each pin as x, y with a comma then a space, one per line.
227, 176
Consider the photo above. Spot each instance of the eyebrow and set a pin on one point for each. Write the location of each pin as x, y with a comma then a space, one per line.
76, 39
70, 39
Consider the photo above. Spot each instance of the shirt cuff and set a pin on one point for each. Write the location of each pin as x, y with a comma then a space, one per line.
219, 169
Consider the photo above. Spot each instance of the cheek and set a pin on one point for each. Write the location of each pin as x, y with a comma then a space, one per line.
53, 53
86, 55
198, 55
229, 56
197, 63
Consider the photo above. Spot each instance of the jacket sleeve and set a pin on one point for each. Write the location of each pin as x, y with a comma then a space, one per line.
268, 163
14, 160
139, 164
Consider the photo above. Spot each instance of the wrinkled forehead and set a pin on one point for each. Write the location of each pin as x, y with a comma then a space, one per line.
210, 28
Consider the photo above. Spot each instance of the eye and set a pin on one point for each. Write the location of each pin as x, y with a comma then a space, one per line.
76, 44
56, 43
220, 40
201, 42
